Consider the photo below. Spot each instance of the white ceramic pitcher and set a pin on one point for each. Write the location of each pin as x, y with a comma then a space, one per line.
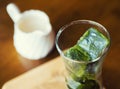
33, 36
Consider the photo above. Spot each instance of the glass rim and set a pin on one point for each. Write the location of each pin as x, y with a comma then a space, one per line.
77, 22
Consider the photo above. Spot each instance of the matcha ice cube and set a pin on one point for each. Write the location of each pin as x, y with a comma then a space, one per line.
93, 42
89, 47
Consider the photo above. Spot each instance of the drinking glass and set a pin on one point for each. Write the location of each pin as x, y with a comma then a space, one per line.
81, 74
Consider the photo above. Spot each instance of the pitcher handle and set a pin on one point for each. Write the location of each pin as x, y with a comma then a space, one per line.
13, 12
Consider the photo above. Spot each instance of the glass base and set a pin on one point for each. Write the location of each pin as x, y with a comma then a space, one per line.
80, 88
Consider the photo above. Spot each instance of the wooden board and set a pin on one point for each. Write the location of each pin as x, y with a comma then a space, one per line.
47, 76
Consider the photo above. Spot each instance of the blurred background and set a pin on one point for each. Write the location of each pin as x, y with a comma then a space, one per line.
61, 12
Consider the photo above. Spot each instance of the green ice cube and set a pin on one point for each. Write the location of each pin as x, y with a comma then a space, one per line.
93, 42
89, 46
77, 53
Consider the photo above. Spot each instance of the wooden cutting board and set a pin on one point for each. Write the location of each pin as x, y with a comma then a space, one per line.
47, 76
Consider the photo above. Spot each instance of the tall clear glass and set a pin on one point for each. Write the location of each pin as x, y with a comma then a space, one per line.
77, 71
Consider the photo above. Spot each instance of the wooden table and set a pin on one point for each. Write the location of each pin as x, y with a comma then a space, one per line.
61, 12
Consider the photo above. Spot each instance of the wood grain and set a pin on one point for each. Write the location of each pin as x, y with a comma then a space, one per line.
61, 12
